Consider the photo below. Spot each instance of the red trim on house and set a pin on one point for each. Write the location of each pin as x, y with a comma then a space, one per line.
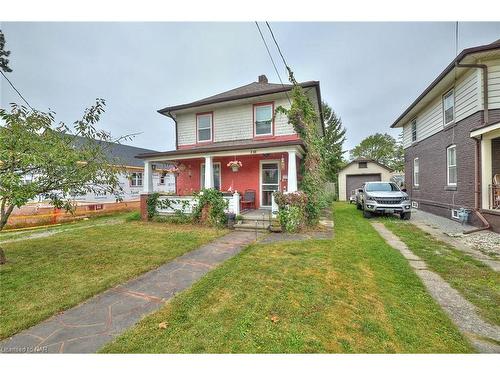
253, 120
212, 128
284, 138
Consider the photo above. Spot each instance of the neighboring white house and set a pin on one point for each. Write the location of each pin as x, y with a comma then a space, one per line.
131, 180
359, 171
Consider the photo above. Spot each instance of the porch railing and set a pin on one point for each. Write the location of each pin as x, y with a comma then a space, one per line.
494, 201
186, 204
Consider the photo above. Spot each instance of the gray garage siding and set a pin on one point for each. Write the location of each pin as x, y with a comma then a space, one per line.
354, 181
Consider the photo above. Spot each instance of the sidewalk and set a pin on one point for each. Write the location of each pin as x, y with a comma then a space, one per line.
89, 326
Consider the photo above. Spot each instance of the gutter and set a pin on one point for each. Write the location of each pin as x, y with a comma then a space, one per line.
169, 114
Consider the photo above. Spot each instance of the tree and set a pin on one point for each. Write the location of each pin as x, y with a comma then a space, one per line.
382, 148
333, 142
4, 62
39, 158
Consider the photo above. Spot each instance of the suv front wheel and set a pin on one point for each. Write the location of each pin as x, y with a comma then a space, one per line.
405, 215
367, 214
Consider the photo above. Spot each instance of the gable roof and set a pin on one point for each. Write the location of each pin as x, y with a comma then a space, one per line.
361, 159
246, 91
468, 51
119, 153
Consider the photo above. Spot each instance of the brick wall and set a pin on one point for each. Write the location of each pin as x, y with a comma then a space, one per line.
433, 194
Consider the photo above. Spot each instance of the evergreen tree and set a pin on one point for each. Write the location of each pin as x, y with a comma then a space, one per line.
333, 142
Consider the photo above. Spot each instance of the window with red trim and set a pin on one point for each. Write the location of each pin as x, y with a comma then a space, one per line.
263, 115
204, 125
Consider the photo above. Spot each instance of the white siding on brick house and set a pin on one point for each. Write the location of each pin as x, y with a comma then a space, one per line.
493, 84
430, 119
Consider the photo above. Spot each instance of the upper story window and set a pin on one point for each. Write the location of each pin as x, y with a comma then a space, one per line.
263, 115
136, 179
449, 107
451, 165
363, 164
416, 172
414, 130
204, 125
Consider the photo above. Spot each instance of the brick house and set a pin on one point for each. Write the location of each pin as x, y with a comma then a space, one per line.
239, 125
451, 137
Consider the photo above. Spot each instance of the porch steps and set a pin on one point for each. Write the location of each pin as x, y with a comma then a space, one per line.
253, 225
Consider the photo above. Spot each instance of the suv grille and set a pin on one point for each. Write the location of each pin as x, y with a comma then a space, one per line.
388, 200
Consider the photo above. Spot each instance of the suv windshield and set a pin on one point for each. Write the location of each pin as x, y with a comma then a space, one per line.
381, 186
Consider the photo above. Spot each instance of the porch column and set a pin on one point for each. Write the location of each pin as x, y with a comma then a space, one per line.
486, 172
292, 172
148, 178
209, 173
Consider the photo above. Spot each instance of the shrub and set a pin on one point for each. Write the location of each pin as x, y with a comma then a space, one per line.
292, 210
173, 219
210, 208
152, 205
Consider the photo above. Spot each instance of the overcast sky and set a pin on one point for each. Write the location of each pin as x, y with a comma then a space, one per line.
369, 72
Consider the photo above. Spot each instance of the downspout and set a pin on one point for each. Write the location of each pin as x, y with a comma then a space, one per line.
477, 177
485, 87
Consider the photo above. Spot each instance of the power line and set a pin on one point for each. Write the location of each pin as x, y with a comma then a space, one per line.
269, 53
281, 54
272, 60
16, 90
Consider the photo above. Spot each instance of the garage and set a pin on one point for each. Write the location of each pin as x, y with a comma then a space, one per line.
355, 181
358, 171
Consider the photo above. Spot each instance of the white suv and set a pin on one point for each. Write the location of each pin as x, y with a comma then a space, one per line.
383, 197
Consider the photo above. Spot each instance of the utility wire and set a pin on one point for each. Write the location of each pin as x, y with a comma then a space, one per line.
16, 90
271, 57
290, 73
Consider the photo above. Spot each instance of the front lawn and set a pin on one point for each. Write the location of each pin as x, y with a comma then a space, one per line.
46, 275
351, 294
474, 280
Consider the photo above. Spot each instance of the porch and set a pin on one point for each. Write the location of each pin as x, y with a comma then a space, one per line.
266, 167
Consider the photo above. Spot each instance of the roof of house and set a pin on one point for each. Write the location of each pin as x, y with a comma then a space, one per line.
120, 153
246, 91
362, 159
448, 69
225, 146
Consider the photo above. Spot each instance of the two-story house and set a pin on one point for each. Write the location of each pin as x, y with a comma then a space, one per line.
239, 125
451, 137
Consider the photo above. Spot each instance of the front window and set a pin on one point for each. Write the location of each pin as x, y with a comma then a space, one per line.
451, 164
263, 119
449, 107
204, 125
216, 175
414, 130
163, 176
416, 168
381, 186
136, 179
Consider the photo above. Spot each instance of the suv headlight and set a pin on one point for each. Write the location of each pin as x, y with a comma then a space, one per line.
369, 198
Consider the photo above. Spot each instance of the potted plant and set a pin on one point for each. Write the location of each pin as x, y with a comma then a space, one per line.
235, 165
239, 219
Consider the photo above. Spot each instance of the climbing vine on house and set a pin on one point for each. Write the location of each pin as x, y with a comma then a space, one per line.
304, 119
210, 207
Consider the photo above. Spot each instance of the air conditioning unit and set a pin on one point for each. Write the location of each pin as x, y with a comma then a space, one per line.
414, 204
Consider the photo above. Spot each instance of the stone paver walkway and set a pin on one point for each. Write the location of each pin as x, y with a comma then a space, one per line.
460, 311
90, 325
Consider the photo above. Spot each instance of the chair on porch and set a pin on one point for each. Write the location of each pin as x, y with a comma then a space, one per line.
496, 191
248, 199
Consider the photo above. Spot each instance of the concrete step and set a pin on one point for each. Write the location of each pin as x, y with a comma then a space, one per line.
252, 227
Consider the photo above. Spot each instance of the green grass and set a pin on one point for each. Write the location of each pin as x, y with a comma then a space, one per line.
477, 282
46, 275
350, 294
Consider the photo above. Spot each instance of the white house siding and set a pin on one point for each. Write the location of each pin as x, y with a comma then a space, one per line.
353, 169
131, 193
231, 122
493, 84
430, 119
